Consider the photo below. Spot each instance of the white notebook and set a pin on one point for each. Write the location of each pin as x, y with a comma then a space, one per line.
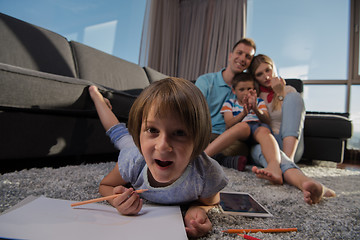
47, 218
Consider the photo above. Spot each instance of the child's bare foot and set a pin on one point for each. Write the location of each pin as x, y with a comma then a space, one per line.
314, 191
274, 175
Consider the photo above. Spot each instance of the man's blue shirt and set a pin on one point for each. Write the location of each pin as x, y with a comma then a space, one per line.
216, 92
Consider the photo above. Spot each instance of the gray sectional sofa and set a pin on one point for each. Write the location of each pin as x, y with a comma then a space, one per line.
46, 111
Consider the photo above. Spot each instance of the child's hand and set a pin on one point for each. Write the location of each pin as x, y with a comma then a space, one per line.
197, 223
246, 108
128, 203
107, 101
252, 99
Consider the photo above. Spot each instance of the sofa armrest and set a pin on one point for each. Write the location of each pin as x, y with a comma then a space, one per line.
28, 90
327, 125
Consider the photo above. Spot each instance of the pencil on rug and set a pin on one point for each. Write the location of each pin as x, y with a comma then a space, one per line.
270, 230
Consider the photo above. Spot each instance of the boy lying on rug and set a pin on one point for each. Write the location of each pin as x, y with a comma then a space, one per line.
170, 128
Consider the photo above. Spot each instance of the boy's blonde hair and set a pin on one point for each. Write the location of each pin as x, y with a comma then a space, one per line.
173, 96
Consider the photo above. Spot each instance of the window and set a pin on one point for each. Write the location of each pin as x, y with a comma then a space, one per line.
307, 39
113, 26
354, 142
311, 40
319, 104
355, 35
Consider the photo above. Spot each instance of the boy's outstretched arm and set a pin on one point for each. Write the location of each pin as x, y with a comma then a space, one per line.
107, 117
197, 223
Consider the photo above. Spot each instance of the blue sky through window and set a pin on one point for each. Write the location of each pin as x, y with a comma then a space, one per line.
307, 39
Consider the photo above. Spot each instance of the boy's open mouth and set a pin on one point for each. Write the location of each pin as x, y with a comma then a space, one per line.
163, 163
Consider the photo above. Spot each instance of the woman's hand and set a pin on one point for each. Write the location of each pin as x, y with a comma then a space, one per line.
278, 85
128, 202
197, 223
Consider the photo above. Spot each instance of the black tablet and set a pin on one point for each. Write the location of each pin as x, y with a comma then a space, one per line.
240, 203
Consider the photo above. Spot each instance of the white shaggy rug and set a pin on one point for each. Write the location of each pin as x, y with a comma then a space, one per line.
333, 218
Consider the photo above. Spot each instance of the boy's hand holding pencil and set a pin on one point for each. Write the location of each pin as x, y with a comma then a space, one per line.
127, 203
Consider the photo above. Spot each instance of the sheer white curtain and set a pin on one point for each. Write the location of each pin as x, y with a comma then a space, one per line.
186, 38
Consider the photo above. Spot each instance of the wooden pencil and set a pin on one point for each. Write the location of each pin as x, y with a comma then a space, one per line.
270, 230
102, 198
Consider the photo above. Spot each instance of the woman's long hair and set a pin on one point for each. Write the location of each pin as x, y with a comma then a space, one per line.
257, 60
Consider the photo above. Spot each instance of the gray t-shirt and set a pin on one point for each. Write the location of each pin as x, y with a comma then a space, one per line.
202, 178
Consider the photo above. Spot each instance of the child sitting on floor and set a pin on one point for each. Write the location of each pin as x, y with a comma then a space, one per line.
249, 116
169, 125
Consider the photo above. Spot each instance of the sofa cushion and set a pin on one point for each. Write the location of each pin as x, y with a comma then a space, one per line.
23, 88
107, 70
32, 47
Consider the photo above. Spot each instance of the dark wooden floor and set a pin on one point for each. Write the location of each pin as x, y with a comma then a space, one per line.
351, 160
349, 166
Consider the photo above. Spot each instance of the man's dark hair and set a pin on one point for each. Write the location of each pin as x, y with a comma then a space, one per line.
247, 41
